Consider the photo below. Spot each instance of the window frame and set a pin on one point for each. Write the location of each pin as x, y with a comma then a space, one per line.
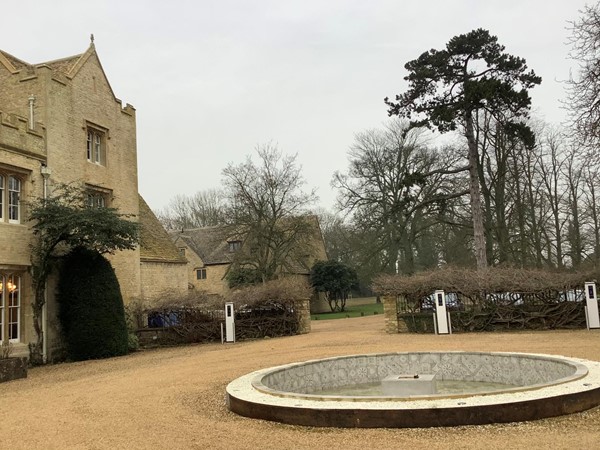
96, 138
9, 197
96, 199
12, 184
2, 178
9, 302
234, 246
97, 196
201, 273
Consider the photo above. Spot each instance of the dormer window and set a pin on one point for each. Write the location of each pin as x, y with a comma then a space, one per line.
234, 246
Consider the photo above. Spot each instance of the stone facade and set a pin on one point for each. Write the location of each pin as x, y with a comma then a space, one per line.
60, 122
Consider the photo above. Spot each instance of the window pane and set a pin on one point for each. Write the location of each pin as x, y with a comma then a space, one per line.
14, 191
1, 196
89, 145
13, 286
2, 291
97, 148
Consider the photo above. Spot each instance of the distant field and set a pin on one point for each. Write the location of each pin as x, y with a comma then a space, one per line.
356, 307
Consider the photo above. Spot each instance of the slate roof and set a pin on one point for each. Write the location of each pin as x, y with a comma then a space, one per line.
155, 243
209, 243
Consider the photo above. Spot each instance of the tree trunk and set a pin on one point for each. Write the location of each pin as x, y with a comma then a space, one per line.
595, 219
475, 195
520, 210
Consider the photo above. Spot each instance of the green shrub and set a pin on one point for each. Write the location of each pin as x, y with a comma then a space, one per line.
133, 343
242, 276
91, 308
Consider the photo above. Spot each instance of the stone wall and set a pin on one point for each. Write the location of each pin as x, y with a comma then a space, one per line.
303, 309
390, 312
159, 279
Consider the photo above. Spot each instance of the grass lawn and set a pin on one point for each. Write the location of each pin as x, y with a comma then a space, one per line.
354, 308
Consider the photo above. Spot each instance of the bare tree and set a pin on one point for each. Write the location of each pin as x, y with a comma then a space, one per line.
592, 206
203, 209
573, 176
551, 167
393, 186
584, 87
267, 210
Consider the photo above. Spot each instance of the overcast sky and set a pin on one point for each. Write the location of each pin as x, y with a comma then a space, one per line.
211, 79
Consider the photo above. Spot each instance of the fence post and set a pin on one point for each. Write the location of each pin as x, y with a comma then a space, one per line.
592, 316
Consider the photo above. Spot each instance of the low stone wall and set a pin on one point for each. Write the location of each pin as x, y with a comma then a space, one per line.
506, 368
13, 368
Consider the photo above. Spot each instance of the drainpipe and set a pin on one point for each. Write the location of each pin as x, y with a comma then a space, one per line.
46, 172
31, 115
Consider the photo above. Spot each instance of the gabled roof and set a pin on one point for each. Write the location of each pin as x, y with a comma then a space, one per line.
12, 63
155, 243
68, 66
64, 65
209, 243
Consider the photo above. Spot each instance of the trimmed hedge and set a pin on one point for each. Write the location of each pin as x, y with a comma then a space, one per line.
492, 299
475, 284
91, 309
265, 310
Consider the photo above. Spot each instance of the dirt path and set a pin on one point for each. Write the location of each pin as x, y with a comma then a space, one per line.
174, 398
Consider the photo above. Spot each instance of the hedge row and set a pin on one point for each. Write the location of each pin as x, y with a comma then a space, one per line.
566, 315
489, 300
477, 284
266, 310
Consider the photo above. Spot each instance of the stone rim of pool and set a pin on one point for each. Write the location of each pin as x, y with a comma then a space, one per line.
574, 388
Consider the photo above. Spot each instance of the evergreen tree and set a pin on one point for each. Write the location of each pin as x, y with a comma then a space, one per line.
91, 309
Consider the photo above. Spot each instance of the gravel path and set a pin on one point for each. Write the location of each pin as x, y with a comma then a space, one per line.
174, 398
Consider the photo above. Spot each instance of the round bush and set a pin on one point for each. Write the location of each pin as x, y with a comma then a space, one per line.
91, 308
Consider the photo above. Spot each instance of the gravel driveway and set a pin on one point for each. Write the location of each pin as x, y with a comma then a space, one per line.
174, 398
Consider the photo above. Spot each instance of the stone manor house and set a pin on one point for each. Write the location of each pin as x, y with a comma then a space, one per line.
61, 122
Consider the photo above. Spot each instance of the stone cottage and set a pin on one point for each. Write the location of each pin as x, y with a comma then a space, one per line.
211, 251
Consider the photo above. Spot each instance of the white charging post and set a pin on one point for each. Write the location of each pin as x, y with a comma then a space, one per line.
441, 314
229, 323
591, 308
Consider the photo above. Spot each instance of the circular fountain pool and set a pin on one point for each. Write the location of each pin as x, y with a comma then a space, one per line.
488, 388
